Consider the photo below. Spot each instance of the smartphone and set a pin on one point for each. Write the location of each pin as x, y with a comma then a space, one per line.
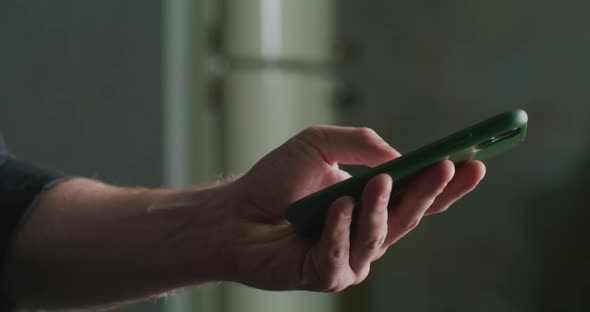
478, 142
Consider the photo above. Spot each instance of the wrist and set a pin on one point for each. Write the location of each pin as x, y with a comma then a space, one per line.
194, 243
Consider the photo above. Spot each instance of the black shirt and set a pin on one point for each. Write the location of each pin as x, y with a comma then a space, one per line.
21, 183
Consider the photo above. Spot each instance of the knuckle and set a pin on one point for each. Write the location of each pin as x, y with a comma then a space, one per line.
362, 276
438, 183
409, 223
375, 244
313, 131
430, 187
342, 205
431, 184
380, 254
381, 205
440, 188
338, 255
441, 209
367, 133
344, 218
332, 283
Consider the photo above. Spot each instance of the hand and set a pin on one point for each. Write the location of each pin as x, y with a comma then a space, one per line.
263, 249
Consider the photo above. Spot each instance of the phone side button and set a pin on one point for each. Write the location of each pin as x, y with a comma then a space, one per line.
461, 142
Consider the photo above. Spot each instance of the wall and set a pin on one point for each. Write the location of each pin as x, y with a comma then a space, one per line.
425, 68
80, 88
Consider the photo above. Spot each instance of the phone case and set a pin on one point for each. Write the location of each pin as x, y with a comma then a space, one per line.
479, 142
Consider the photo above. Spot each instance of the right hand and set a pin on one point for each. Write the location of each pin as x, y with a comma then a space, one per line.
265, 251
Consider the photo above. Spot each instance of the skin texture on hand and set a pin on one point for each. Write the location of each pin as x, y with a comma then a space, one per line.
267, 251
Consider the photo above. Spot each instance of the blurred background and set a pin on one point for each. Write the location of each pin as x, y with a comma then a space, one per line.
176, 92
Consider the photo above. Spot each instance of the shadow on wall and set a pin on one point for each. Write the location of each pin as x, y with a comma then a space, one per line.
557, 229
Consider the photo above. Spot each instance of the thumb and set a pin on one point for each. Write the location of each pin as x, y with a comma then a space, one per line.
348, 145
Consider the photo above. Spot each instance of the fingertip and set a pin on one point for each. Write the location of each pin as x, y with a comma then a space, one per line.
383, 180
379, 186
387, 183
380, 154
466, 179
448, 168
481, 169
387, 179
477, 171
344, 201
434, 179
391, 152
444, 172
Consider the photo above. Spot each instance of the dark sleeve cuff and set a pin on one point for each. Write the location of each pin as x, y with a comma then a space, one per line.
21, 183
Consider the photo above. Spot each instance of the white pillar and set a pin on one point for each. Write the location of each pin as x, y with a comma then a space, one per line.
279, 82
190, 133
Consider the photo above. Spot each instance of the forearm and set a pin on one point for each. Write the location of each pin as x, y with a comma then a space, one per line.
87, 243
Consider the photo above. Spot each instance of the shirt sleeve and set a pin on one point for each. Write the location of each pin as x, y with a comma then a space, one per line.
21, 183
